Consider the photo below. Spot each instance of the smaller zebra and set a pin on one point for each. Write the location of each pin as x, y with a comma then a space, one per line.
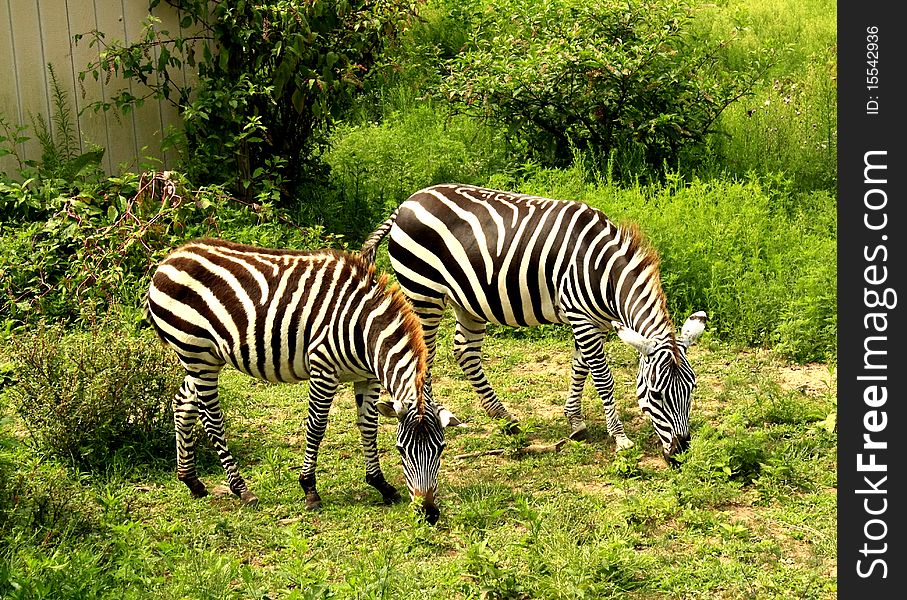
286, 316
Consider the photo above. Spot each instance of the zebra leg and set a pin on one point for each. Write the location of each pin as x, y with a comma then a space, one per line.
321, 393
185, 414
367, 393
573, 408
467, 349
590, 341
213, 420
429, 311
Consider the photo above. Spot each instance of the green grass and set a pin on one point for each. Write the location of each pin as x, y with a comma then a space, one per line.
751, 513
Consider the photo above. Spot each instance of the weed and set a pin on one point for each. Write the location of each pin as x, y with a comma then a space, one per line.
626, 463
489, 576
84, 397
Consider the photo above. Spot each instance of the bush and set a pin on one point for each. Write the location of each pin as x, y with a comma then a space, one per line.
625, 82
98, 247
272, 79
95, 396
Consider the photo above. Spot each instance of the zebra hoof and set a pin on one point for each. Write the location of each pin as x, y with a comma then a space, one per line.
579, 433
392, 496
196, 488
623, 443
389, 493
248, 498
312, 501
511, 428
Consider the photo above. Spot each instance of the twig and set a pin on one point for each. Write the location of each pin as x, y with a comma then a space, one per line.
495, 452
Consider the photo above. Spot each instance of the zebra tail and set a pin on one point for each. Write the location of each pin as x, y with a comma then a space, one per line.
370, 247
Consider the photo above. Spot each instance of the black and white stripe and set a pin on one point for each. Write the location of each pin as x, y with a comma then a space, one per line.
521, 260
287, 316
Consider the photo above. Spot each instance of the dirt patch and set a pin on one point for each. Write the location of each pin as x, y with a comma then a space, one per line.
812, 379
597, 488
656, 463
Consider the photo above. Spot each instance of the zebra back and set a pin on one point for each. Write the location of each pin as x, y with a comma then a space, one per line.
282, 315
519, 260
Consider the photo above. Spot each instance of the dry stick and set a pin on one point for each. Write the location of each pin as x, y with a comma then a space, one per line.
531, 449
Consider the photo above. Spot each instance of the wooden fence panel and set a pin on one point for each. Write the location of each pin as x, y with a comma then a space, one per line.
34, 33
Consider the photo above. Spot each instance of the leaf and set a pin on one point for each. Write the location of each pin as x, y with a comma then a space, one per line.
284, 71
78, 164
163, 58
299, 100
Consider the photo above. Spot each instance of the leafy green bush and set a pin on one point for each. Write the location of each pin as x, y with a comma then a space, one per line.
624, 81
90, 397
272, 79
97, 248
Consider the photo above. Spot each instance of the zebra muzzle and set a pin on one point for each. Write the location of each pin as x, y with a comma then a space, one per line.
424, 503
679, 444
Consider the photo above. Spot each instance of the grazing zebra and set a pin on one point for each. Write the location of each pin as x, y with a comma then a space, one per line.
288, 316
521, 260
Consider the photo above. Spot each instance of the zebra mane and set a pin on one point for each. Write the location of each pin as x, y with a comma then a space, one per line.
638, 245
412, 327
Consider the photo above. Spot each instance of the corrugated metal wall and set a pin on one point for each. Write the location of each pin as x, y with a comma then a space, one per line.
34, 33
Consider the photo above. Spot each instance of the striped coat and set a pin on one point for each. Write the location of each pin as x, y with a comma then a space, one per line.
288, 316
522, 260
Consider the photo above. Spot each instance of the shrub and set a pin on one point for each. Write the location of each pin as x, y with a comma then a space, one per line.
619, 80
90, 397
98, 247
272, 79
41, 500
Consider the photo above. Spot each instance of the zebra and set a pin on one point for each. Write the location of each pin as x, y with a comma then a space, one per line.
520, 260
285, 316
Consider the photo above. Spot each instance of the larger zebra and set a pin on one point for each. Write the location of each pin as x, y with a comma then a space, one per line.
522, 260
288, 316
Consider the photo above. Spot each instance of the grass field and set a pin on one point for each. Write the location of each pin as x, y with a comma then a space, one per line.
750, 514
749, 236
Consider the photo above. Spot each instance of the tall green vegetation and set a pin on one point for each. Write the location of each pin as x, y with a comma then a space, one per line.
788, 126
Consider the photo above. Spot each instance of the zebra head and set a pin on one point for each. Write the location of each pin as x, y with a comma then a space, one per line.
420, 440
665, 382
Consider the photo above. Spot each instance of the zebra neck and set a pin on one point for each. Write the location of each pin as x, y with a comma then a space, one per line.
394, 357
648, 317
628, 284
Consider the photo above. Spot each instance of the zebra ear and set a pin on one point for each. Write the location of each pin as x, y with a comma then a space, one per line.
448, 419
643, 345
387, 409
692, 329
